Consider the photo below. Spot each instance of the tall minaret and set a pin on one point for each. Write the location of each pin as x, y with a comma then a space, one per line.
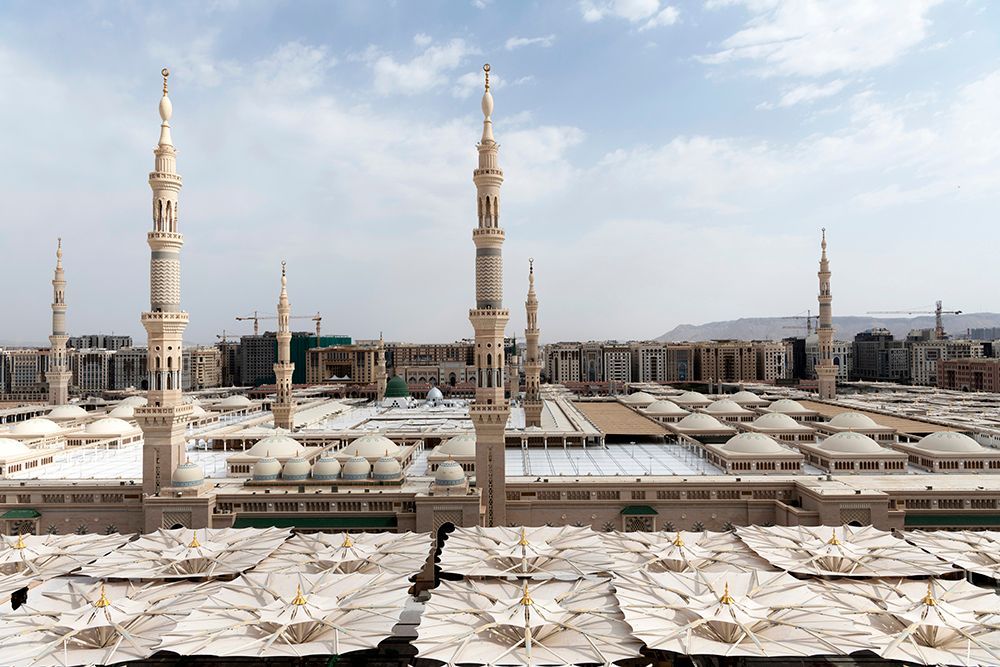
489, 411
380, 373
283, 408
58, 374
532, 362
825, 370
164, 418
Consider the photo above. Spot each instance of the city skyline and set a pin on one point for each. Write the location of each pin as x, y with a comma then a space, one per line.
301, 146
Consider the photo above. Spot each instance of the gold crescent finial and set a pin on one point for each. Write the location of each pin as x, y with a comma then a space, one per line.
20, 542
678, 540
166, 74
102, 601
833, 537
299, 599
347, 542
524, 539
929, 598
726, 597
525, 595
486, 68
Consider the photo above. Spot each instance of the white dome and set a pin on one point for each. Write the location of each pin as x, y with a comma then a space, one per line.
10, 447
850, 443
266, 469
434, 394
278, 444
725, 406
109, 426
665, 408
386, 469
122, 411
787, 406
187, 474
854, 420
235, 402
690, 397
66, 412
699, 421
449, 473
462, 446
356, 468
295, 470
753, 443
370, 445
326, 468
777, 421
949, 441
746, 397
134, 401
35, 426
639, 398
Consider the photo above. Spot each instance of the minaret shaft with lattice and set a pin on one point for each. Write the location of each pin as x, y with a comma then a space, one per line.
532, 361
283, 408
826, 371
58, 373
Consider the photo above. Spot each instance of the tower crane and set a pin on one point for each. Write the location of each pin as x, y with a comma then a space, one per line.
255, 318
937, 313
809, 318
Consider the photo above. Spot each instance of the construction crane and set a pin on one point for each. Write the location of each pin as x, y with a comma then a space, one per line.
937, 313
224, 337
809, 318
255, 318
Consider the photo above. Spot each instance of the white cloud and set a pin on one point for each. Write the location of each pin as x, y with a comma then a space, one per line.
806, 94
422, 39
293, 67
667, 16
518, 42
429, 70
816, 38
633, 11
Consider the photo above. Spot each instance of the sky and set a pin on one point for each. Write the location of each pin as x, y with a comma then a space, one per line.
665, 162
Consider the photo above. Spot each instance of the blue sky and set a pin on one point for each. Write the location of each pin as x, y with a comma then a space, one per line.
665, 163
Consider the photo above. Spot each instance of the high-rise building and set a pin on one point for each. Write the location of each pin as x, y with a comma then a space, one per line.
926, 356
283, 408
229, 354
826, 371
725, 361
532, 361
92, 370
99, 341
202, 368
771, 361
130, 368
257, 356
562, 363
880, 358
164, 418
489, 410
58, 374
617, 362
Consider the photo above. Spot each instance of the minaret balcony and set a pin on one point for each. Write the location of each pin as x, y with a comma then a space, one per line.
164, 176
491, 233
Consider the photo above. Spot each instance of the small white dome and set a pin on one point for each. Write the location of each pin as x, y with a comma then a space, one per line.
134, 401
278, 444
639, 398
109, 426
746, 397
699, 421
370, 445
123, 412
35, 426
949, 441
10, 447
665, 408
235, 402
753, 443
67, 412
266, 469
356, 468
449, 473
435, 394
326, 468
295, 470
777, 421
725, 406
787, 406
849, 442
690, 397
853, 420
187, 474
387, 469
462, 446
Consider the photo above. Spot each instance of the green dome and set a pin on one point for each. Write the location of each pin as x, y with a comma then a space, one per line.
396, 388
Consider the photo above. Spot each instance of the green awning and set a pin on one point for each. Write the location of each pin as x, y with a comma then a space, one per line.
949, 520
315, 522
639, 510
21, 514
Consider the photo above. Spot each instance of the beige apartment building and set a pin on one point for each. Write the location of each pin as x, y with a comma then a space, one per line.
355, 364
202, 368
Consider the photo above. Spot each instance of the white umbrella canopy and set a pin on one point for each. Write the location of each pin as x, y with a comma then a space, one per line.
369, 553
763, 614
83, 621
563, 552
25, 558
538, 622
933, 622
840, 551
972, 550
269, 614
680, 552
183, 553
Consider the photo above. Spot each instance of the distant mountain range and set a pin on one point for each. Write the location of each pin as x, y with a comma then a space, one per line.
775, 328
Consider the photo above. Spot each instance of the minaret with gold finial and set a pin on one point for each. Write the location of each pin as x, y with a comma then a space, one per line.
283, 408
164, 419
826, 371
490, 409
58, 374
380, 373
532, 363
